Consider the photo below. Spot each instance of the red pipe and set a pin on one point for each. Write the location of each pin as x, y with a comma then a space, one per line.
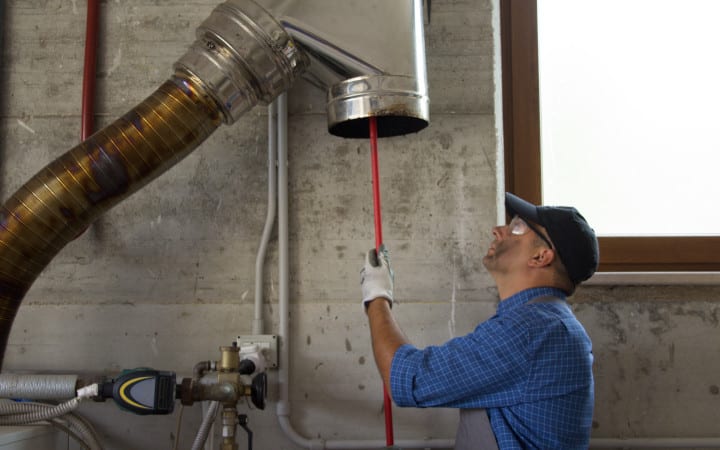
376, 182
389, 438
87, 115
88, 91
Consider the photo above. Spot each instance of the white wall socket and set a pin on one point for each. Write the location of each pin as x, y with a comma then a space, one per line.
267, 343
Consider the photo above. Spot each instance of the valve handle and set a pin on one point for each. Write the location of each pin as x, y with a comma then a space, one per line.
258, 390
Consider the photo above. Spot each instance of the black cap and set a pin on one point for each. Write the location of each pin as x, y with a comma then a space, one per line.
572, 237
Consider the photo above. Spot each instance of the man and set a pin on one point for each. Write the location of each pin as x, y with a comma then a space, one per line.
522, 379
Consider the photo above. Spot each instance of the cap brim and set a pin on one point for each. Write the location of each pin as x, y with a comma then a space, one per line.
517, 206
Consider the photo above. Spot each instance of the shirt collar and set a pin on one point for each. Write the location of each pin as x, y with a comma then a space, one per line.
525, 296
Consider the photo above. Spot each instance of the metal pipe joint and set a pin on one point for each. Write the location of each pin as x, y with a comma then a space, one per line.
242, 56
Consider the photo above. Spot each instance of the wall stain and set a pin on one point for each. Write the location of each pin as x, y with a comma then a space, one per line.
659, 315
446, 140
714, 390
610, 320
670, 363
308, 340
348, 346
710, 317
341, 251
644, 367
361, 360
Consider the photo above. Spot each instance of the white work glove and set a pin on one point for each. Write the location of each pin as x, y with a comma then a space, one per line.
376, 277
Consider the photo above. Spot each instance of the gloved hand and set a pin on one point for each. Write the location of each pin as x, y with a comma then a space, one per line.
376, 277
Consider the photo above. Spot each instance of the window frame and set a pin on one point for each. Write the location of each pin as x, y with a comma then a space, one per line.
521, 134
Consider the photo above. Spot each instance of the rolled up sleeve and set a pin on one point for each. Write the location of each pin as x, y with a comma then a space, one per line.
402, 375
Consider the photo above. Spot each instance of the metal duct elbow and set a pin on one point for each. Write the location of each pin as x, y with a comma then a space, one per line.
241, 57
370, 58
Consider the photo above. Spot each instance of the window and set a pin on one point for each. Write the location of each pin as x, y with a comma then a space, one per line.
621, 250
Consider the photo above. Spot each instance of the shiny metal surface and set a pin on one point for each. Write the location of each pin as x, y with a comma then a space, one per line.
396, 101
370, 57
243, 57
65, 197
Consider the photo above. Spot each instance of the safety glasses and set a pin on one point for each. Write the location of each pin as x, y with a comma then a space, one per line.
518, 227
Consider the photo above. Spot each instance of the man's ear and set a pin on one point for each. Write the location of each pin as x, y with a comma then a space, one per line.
542, 257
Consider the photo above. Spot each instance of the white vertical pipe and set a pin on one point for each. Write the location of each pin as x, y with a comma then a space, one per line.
283, 405
270, 218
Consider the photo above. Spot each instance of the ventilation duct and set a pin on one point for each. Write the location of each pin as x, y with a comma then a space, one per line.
370, 58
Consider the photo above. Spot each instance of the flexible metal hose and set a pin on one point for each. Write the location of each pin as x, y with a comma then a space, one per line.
207, 422
38, 387
67, 195
13, 413
69, 422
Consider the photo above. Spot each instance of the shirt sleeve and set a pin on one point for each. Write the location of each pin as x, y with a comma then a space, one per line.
485, 368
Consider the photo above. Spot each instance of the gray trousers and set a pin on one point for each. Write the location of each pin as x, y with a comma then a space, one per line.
474, 431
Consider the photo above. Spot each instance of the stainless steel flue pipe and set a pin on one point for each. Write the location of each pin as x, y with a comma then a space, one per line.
368, 55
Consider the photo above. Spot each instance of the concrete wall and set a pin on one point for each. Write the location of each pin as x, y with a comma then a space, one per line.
167, 276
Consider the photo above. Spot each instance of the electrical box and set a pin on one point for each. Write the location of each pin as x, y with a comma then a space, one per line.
267, 343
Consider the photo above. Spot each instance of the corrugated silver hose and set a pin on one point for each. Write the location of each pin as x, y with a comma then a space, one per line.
12, 414
74, 425
207, 422
38, 387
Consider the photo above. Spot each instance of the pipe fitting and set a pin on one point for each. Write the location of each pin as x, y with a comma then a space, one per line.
398, 102
200, 368
229, 427
369, 56
210, 388
229, 359
242, 56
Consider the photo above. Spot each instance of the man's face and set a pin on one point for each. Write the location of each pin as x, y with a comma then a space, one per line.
514, 243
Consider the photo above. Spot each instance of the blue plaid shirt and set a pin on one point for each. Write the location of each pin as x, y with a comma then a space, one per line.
529, 366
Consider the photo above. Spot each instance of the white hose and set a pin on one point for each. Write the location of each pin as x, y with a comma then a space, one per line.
270, 219
207, 422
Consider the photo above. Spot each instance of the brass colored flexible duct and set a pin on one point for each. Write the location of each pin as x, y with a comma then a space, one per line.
242, 56
65, 197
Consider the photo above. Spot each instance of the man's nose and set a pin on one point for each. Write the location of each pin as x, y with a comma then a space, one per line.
497, 231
